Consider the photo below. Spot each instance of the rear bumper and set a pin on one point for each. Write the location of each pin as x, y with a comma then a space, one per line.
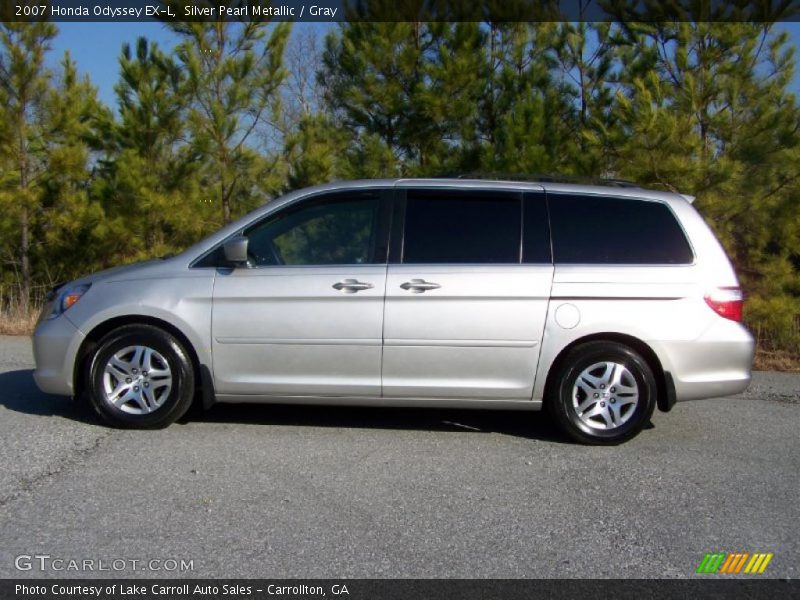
718, 363
55, 345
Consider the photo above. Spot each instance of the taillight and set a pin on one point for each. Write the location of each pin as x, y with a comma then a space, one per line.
726, 302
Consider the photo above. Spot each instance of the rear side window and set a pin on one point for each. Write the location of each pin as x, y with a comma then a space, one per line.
609, 230
460, 226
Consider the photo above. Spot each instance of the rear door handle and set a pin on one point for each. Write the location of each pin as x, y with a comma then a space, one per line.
417, 286
351, 286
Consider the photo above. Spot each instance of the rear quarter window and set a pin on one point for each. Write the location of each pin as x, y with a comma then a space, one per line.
590, 229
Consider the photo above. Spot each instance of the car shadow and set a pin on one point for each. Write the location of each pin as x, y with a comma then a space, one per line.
18, 392
524, 424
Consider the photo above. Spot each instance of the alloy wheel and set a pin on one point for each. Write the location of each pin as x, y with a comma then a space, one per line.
137, 380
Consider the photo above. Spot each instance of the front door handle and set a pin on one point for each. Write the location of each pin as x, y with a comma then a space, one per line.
351, 286
417, 286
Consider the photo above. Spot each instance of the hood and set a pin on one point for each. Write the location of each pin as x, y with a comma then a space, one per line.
124, 272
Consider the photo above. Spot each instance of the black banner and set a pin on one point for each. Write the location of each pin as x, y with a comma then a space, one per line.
405, 589
400, 10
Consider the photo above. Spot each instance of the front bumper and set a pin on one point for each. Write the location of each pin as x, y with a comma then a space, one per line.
55, 345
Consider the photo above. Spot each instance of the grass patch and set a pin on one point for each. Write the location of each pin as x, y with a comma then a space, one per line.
776, 360
18, 321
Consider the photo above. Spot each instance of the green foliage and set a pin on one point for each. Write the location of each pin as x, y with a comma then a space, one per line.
233, 74
24, 82
314, 152
774, 322
522, 109
372, 79
707, 111
70, 232
148, 171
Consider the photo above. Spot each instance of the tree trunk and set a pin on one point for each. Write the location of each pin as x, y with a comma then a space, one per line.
226, 203
24, 224
226, 211
24, 247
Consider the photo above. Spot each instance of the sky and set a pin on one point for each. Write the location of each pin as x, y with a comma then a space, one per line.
95, 47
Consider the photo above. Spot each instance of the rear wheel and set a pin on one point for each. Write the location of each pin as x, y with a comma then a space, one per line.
604, 393
141, 378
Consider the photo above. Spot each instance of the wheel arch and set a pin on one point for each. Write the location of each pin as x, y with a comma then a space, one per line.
202, 375
665, 387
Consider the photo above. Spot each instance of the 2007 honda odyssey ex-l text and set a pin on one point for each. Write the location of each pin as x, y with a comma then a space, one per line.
597, 303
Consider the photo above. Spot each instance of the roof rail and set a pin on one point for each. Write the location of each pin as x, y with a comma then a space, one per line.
543, 178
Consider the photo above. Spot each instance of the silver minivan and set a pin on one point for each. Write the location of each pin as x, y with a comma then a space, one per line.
598, 303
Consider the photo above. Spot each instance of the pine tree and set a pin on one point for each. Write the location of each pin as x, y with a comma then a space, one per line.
150, 183
24, 82
233, 71
404, 87
449, 96
408, 90
707, 111
588, 63
71, 224
314, 152
524, 111
371, 74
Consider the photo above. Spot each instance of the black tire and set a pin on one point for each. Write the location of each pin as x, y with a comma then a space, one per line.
173, 403
561, 403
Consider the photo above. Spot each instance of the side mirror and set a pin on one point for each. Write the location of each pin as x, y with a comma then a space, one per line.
236, 250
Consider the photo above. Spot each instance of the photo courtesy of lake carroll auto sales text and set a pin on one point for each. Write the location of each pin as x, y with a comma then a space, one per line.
176, 589
364, 299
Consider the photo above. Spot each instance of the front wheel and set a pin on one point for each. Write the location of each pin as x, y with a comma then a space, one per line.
140, 378
604, 393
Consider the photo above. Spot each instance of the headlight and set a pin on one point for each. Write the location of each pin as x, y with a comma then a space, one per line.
66, 298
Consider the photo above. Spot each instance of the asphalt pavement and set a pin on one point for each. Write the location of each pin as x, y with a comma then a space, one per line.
278, 492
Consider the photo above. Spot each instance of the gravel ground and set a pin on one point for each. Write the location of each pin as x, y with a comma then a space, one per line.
265, 491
